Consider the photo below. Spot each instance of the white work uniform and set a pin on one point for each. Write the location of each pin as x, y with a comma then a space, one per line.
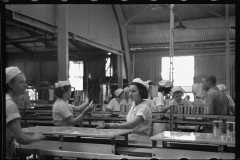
12, 113
157, 104
142, 130
114, 105
61, 111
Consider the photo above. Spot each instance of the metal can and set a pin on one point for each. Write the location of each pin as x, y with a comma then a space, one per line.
181, 110
230, 129
217, 128
175, 109
195, 110
190, 110
186, 110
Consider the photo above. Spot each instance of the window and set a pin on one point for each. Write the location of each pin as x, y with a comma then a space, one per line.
183, 72
76, 74
108, 68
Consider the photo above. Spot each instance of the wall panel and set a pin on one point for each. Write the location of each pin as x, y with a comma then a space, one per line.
148, 65
96, 23
43, 12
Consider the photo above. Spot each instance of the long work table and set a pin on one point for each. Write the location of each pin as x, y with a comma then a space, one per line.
77, 139
202, 140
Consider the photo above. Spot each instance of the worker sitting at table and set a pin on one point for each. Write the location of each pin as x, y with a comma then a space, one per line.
15, 87
177, 93
63, 113
115, 103
139, 117
159, 104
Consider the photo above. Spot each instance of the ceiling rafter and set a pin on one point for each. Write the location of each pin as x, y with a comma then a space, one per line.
135, 15
20, 46
207, 10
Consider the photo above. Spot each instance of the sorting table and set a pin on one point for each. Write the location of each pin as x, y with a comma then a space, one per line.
200, 139
68, 138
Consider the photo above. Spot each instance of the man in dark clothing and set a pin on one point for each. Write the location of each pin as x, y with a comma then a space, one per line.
216, 101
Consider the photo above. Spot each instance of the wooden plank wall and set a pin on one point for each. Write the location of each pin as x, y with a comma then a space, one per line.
148, 65
38, 70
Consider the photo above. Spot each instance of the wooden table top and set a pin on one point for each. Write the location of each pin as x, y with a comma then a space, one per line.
193, 137
77, 131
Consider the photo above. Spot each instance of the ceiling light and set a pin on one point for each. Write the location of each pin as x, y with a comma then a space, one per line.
34, 0
5, 0
64, 0
109, 53
180, 26
94, 0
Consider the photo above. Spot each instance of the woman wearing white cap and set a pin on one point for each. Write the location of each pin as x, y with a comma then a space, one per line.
177, 93
62, 111
159, 104
115, 103
15, 87
139, 117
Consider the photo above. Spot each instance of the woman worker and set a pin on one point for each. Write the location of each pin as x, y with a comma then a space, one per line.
139, 117
159, 104
115, 103
15, 87
62, 111
177, 93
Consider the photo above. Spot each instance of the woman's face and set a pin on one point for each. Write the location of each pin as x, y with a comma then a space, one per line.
134, 93
68, 93
19, 85
178, 96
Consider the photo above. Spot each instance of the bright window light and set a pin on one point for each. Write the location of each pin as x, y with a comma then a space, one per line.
183, 72
76, 74
108, 68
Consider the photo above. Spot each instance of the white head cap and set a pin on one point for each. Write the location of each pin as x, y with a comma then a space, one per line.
165, 83
177, 88
126, 89
118, 92
62, 83
221, 87
138, 80
11, 72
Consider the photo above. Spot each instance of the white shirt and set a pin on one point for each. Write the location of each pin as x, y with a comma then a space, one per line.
158, 101
61, 111
142, 130
114, 105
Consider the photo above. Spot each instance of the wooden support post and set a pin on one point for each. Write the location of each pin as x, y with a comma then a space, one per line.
62, 39
171, 118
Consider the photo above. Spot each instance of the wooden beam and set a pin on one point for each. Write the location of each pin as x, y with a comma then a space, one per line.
207, 10
62, 43
20, 47
92, 43
135, 15
227, 55
125, 41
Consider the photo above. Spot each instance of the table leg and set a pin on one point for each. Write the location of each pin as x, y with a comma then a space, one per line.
221, 148
113, 143
164, 144
126, 140
154, 144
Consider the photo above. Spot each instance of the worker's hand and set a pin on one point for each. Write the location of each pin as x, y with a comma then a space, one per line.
17, 145
38, 136
104, 126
